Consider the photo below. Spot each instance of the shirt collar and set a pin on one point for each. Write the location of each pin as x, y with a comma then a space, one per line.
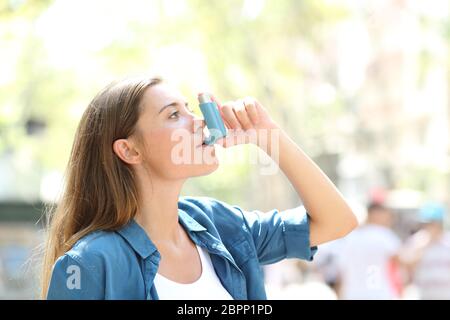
138, 239
189, 223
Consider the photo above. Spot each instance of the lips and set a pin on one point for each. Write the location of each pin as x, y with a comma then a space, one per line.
203, 145
198, 140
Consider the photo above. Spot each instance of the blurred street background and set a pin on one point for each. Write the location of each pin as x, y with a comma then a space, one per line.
363, 86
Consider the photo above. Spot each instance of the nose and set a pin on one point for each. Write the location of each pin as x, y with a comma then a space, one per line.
198, 124
199, 128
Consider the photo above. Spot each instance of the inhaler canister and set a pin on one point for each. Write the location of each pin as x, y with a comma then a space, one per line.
212, 117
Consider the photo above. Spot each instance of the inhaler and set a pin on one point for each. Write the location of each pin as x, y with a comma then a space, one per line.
214, 121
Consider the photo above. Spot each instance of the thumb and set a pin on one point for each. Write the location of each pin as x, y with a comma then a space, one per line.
222, 142
227, 141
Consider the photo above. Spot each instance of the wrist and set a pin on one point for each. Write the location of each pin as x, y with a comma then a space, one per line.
268, 137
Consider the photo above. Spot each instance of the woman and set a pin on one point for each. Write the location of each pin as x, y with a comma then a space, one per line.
121, 231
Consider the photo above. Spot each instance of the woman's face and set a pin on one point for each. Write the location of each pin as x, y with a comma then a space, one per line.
172, 135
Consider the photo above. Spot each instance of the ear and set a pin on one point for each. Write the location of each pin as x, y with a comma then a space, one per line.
126, 151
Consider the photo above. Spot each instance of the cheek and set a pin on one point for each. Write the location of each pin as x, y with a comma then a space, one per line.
162, 141
171, 152
159, 144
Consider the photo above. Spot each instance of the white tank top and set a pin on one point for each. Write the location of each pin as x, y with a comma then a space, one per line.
207, 287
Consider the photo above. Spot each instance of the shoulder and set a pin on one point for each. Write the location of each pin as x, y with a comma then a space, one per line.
207, 205
391, 236
80, 272
210, 207
96, 249
206, 210
384, 237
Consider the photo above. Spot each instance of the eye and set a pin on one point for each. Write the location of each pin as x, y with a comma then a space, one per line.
174, 115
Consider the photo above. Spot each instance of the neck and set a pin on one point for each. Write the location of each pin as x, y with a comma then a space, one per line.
158, 208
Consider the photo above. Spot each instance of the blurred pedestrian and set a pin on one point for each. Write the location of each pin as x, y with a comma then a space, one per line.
427, 254
368, 266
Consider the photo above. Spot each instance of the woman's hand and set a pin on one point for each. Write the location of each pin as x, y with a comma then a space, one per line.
247, 121
330, 215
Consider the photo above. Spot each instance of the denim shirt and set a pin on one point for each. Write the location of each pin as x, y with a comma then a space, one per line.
122, 264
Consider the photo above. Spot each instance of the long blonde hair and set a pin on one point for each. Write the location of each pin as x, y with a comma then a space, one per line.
100, 192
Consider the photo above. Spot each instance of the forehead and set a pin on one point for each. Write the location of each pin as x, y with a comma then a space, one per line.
159, 95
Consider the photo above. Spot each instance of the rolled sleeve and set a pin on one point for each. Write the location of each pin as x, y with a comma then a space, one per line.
279, 235
297, 234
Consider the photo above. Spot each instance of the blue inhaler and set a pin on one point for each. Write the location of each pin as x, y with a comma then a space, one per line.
212, 118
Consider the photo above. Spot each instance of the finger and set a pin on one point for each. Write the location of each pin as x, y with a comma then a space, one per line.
251, 110
216, 101
259, 105
232, 138
241, 115
230, 116
219, 105
227, 141
227, 124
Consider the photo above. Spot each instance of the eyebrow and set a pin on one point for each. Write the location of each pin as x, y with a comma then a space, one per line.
171, 105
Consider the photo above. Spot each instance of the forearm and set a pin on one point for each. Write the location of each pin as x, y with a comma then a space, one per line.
330, 215
327, 208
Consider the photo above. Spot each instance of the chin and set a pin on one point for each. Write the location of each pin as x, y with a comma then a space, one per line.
185, 171
204, 169
200, 163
